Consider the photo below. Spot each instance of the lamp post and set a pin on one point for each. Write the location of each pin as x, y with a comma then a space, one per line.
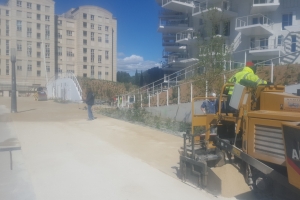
13, 81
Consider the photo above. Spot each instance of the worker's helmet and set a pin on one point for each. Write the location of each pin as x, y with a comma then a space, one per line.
213, 94
251, 65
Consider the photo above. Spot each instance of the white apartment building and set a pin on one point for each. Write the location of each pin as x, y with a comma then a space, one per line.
82, 41
256, 30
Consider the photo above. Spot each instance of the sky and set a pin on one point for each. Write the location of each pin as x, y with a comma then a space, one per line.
138, 43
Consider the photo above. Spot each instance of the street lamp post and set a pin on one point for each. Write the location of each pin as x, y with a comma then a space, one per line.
13, 81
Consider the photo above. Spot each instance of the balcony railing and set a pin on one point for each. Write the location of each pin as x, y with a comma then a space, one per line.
173, 23
186, 35
263, 44
256, 2
164, 2
252, 20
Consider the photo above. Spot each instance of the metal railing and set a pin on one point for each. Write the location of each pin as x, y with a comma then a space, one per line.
179, 22
258, 2
263, 44
186, 35
164, 2
252, 20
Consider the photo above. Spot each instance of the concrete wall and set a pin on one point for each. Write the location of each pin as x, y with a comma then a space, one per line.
181, 112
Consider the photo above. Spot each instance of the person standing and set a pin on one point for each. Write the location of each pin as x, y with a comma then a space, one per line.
90, 99
209, 107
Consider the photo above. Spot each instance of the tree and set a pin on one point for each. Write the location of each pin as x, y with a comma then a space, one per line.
141, 79
123, 77
136, 78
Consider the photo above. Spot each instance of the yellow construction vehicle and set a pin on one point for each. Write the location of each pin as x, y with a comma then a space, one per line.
261, 138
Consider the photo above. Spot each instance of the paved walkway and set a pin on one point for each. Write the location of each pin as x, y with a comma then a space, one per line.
66, 157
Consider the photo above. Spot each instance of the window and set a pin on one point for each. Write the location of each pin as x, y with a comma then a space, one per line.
59, 51
19, 3
99, 39
92, 17
70, 52
84, 42
106, 28
7, 67
106, 55
38, 73
106, 38
59, 22
29, 66
47, 18
47, 50
38, 35
29, 5
226, 29
38, 7
99, 58
92, 55
99, 27
84, 66
59, 35
84, 33
19, 45
38, 63
99, 75
258, 20
48, 67
29, 32
38, 16
38, 45
84, 50
84, 25
29, 15
19, 25
84, 59
92, 26
19, 68
47, 32
106, 73
92, 36
69, 33
201, 22
84, 16
47, 8
7, 27
38, 26
293, 44
38, 54
287, 20
84, 75
92, 70
7, 12
29, 49
279, 40
7, 47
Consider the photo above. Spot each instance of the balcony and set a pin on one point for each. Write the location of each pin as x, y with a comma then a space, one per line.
254, 25
208, 8
186, 37
172, 25
177, 62
261, 6
185, 6
169, 36
174, 47
265, 47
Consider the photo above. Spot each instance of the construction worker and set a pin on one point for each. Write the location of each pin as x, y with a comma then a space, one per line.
248, 73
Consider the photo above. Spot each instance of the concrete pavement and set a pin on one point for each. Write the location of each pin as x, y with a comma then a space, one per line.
67, 157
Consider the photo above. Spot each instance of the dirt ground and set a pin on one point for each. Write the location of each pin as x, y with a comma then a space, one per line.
68, 157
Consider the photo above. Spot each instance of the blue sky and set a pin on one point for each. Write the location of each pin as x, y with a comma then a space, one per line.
139, 43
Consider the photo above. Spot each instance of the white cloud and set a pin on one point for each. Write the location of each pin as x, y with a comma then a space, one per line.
134, 62
121, 54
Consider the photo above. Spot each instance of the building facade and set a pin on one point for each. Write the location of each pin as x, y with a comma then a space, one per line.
82, 41
257, 30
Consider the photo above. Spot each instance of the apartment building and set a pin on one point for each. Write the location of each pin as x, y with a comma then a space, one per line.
27, 26
257, 30
82, 41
